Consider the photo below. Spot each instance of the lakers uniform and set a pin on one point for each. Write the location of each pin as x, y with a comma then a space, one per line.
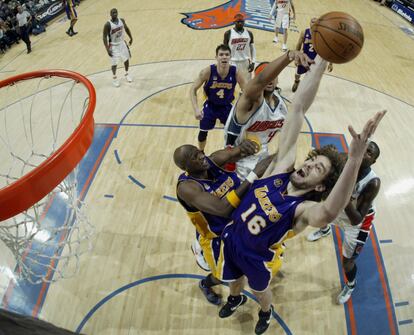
117, 44
281, 10
356, 236
261, 127
239, 44
220, 94
308, 49
252, 243
209, 226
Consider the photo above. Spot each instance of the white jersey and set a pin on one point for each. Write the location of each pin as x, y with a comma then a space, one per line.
239, 44
117, 32
280, 8
261, 127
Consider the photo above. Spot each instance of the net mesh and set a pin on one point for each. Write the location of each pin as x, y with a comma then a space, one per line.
48, 238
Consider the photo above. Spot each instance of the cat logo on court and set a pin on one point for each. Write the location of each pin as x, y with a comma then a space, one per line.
278, 182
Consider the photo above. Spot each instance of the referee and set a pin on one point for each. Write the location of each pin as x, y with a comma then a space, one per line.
23, 20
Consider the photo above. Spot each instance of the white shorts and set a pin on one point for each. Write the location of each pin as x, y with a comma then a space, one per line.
243, 67
354, 236
246, 165
282, 21
120, 52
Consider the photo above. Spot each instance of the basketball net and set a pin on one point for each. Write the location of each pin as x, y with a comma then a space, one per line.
37, 117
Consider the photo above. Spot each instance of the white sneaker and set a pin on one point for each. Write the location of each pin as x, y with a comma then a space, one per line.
276, 40
317, 234
128, 78
345, 294
198, 253
284, 47
116, 82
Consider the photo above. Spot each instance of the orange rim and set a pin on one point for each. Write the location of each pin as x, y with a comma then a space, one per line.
35, 185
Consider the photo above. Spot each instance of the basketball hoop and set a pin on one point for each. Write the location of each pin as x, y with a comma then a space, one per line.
43, 137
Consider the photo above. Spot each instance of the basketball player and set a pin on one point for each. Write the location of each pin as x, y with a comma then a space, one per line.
206, 190
282, 204
23, 20
356, 220
241, 43
280, 11
72, 16
219, 83
305, 44
116, 47
260, 111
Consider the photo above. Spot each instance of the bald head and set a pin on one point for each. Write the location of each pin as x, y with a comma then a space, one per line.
182, 154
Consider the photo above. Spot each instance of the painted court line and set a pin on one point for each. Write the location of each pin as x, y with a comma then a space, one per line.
135, 181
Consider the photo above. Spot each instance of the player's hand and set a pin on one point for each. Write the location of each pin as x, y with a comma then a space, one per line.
248, 148
359, 142
198, 114
109, 53
251, 67
330, 67
300, 58
130, 41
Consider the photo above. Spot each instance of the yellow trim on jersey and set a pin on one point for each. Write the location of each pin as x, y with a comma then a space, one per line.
233, 199
206, 245
220, 262
276, 263
201, 224
289, 234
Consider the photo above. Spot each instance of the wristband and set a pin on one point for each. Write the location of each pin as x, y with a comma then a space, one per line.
251, 177
233, 199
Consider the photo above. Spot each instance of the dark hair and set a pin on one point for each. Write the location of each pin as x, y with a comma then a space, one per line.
337, 160
377, 148
223, 47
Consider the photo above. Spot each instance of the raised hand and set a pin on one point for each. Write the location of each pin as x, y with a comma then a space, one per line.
198, 114
300, 58
359, 142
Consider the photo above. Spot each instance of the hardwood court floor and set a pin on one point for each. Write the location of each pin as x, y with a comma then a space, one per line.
143, 237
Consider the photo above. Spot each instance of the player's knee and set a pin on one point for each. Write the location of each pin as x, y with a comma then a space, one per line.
202, 136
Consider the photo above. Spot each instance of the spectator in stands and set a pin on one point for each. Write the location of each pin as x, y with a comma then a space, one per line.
11, 29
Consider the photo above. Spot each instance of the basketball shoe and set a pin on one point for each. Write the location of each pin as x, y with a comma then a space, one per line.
264, 321
231, 305
276, 40
116, 82
346, 293
128, 78
198, 253
316, 235
211, 296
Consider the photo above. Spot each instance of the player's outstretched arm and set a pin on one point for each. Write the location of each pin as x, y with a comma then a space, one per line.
302, 100
320, 214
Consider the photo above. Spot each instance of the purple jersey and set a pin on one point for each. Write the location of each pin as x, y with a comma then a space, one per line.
220, 91
265, 216
307, 44
220, 183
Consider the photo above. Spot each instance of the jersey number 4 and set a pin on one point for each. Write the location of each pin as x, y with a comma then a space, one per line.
220, 93
256, 223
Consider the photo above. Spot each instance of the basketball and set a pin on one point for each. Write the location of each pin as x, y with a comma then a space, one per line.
337, 37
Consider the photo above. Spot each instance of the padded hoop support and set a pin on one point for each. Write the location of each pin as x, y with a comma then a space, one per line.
35, 185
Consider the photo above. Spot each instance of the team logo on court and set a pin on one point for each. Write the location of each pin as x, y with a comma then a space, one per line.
278, 182
256, 14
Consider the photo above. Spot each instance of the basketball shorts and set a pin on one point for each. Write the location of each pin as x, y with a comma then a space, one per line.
236, 261
246, 165
212, 113
211, 252
71, 12
242, 66
282, 21
354, 236
120, 52
301, 70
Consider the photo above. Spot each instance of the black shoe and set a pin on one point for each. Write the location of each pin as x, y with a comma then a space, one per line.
74, 33
264, 321
69, 33
211, 296
29, 51
230, 307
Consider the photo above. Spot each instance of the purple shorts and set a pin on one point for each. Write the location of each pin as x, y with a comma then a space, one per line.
212, 113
